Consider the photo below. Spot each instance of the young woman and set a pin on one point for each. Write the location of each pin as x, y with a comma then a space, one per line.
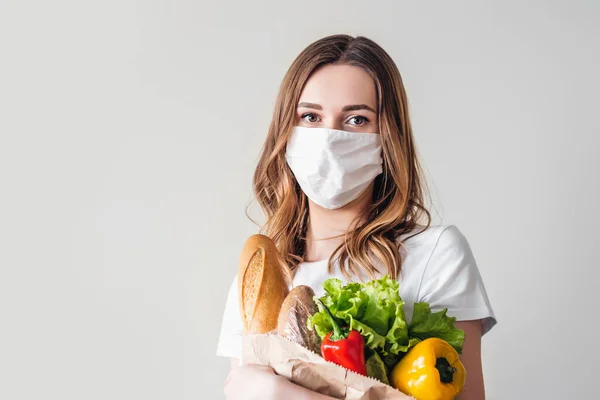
342, 189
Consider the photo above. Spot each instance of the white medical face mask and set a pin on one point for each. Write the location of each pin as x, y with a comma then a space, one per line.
333, 167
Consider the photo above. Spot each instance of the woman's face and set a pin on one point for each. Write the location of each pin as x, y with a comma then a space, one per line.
339, 97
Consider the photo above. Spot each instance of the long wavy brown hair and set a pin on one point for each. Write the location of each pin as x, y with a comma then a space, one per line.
397, 207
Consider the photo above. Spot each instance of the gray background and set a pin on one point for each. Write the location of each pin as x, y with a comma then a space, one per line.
130, 130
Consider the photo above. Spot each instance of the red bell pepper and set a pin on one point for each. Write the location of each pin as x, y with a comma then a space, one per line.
344, 347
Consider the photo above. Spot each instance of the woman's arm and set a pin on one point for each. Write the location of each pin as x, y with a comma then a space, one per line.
471, 358
253, 382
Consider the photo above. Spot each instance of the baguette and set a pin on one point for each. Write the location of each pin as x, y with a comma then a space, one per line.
262, 284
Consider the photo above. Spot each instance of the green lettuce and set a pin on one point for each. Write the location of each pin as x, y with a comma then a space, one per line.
375, 309
425, 324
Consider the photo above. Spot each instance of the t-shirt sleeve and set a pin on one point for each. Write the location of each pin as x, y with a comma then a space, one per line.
452, 280
230, 339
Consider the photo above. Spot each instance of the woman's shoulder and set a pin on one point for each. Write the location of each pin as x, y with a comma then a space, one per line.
433, 236
432, 247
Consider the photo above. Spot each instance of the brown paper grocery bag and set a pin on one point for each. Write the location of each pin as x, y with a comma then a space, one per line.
311, 371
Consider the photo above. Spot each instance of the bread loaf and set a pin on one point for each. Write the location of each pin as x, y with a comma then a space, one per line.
262, 284
296, 308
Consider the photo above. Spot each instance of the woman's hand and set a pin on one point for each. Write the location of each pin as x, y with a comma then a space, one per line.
253, 382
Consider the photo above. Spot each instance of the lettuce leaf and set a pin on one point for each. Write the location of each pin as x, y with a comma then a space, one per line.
425, 324
375, 309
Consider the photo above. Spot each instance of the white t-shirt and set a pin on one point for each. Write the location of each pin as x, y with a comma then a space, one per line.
438, 267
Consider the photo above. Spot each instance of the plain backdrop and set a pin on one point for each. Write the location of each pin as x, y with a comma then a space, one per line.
129, 131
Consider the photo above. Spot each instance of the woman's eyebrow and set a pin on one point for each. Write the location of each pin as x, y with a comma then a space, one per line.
310, 105
353, 107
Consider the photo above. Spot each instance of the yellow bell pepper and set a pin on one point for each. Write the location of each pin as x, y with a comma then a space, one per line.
430, 371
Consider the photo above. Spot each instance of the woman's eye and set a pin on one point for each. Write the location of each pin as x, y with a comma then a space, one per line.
358, 120
310, 118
